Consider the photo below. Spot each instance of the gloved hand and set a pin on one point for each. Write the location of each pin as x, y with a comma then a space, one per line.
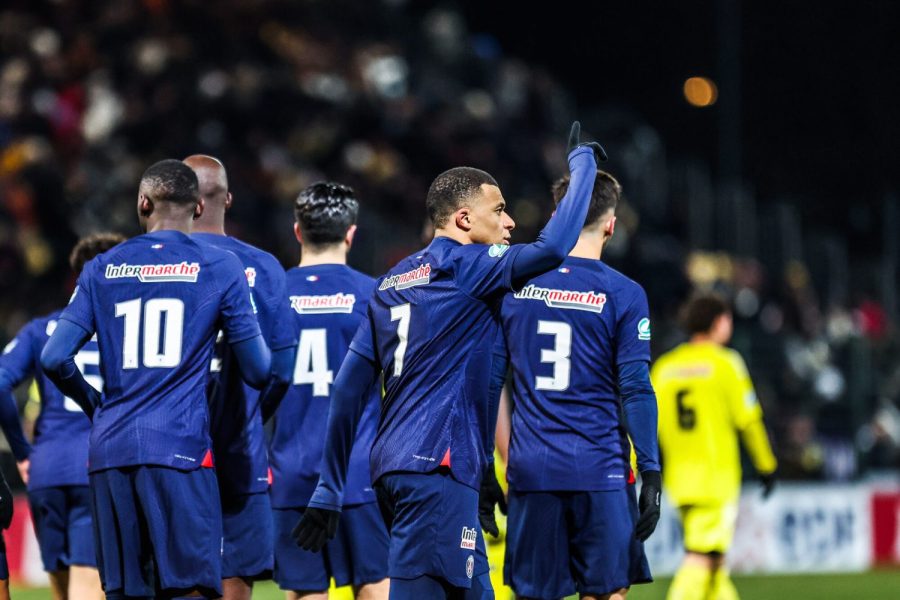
490, 495
648, 504
768, 483
574, 142
6, 504
316, 527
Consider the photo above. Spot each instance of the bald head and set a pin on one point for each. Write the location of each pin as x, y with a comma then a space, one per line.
213, 191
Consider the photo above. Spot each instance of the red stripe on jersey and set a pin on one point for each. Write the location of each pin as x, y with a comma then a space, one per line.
207, 460
269, 476
445, 462
631, 478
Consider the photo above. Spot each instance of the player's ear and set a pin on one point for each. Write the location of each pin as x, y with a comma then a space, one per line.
298, 234
463, 218
145, 206
348, 239
198, 210
610, 227
228, 201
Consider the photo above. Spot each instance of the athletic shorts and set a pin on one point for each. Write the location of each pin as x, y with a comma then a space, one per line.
708, 528
562, 543
247, 532
4, 567
434, 528
64, 526
158, 531
357, 555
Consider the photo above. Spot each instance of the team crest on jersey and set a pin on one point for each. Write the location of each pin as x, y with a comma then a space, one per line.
497, 250
644, 329
470, 567
418, 276
183, 272
469, 536
250, 272
568, 299
314, 305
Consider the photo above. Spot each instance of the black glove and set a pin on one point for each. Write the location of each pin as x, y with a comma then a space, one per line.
574, 142
768, 483
316, 527
648, 504
491, 494
6, 504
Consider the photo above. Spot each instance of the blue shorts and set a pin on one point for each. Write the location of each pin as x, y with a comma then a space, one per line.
357, 555
434, 528
64, 526
158, 531
247, 532
560, 543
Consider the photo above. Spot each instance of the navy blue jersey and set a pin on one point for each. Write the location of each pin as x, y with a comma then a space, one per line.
328, 303
60, 451
431, 325
156, 302
567, 332
239, 445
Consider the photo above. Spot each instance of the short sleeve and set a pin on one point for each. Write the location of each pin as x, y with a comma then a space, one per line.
481, 270
17, 357
283, 334
238, 320
363, 342
742, 401
633, 330
81, 305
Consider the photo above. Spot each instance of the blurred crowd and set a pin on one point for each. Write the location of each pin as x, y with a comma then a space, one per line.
384, 95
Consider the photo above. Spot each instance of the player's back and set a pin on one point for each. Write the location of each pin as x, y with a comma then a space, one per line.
567, 332
432, 325
156, 302
235, 423
705, 397
328, 303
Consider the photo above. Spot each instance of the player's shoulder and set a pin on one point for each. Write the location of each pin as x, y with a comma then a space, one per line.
621, 284
732, 360
264, 258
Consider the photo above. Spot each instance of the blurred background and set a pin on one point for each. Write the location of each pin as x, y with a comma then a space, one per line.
756, 143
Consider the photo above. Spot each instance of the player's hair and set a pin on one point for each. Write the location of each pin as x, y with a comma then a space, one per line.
604, 197
171, 180
90, 246
451, 189
701, 311
325, 211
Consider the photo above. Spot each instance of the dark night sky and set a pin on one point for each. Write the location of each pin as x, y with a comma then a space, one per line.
820, 84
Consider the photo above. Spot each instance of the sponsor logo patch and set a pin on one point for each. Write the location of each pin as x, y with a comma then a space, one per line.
497, 250
419, 276
469, 535
313, 305
183, 272
568, 299
644, 329
250, 272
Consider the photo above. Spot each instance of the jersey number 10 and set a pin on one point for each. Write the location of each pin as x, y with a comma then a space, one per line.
163, 325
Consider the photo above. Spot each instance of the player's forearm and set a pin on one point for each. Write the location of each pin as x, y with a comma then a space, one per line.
639, 403
561, 233
499, 363
58, 361
9, 418
756, 441
279, 382
254, 361
351, 389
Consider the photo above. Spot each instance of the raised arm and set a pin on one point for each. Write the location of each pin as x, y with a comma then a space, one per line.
58, 361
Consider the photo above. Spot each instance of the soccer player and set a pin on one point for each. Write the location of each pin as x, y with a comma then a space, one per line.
6, 515
55, 469
236, 426
431, 329
705, 399
579, 344
329, 301
156, 303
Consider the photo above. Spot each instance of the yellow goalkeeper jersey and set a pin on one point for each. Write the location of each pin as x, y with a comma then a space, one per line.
706, 399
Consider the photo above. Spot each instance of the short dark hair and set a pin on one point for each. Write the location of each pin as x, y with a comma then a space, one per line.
171, 180
325, 211
90, 246
701, 311
605, 195
451, 189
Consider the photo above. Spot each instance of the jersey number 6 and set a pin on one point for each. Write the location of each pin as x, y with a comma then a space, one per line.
687, 416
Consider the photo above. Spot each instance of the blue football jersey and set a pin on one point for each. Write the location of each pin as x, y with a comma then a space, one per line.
156, 302
239, 445
567, 332
328, 303
432, 324
60, 450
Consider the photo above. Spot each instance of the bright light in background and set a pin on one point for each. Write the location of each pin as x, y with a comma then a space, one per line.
700, 91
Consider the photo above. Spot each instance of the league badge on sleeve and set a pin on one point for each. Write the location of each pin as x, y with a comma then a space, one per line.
497, 250
644, 329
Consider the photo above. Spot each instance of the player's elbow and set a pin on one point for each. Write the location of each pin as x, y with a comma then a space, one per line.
51, 361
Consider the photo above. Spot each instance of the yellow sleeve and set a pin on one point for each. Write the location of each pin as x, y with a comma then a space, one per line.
746, 413
756, 441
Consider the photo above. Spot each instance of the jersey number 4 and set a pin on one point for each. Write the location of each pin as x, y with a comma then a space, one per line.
311, 366
163, 329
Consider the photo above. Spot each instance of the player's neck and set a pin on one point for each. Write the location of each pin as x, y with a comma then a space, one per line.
331, 255
173, 224
703, 338
213, 227
454, 234
589, 245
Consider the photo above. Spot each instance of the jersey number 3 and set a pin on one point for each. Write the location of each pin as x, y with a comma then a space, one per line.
558, 356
